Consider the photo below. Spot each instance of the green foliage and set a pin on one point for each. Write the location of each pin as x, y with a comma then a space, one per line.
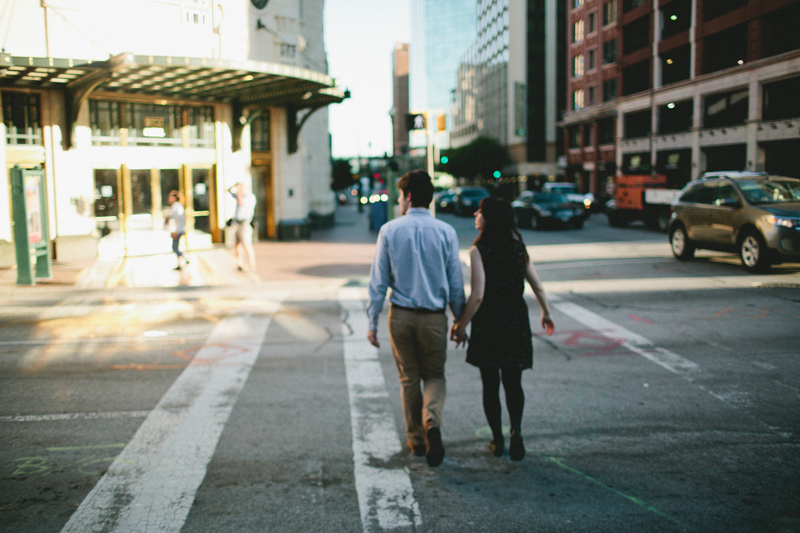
341, 177
480, 159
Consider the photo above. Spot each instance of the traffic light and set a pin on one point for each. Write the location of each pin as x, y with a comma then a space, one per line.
415, 121
444, 159
497, 174
441, 122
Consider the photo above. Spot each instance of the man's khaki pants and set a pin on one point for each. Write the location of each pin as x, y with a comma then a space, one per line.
419, 343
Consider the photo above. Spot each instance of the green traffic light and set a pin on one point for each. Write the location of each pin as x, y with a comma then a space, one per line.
445, 159
496, 174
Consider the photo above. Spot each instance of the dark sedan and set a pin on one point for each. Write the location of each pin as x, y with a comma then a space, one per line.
467, 199
544, 209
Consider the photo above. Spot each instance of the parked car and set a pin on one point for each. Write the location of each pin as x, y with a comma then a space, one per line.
466, 200
570, 190
753, 214
444, 201
546, 209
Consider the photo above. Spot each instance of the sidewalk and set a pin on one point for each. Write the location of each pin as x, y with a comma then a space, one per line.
344, 251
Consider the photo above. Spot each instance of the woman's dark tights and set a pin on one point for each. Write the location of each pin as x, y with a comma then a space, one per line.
515, 398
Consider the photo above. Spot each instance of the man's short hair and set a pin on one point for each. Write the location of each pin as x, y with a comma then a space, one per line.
419, 184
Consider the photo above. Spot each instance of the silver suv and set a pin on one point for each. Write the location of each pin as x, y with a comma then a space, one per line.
756, 215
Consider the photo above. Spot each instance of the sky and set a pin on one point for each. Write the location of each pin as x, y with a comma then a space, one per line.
360, 36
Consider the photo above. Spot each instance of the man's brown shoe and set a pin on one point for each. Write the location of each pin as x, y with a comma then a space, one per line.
416, 449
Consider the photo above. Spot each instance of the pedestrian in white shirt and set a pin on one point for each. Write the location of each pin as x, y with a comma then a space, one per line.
242, 220
177, 217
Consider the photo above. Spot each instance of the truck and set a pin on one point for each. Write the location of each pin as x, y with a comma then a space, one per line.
642, 197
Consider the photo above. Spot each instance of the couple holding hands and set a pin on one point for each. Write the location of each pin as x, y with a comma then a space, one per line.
417, 256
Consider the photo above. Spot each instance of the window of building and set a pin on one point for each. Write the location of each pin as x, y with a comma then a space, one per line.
578, 100
779, 31
716, 8
628, 5
636, 78
574, 135
636, 35
592, 97
577, 3
605, 131
104, 118
609, 90
636, 163
577, 66
636, 124
676, 65
610, 51
592, 61
577, 31
587, 135
779, 99
725, 49
153, 125
21, 117
590, 23
260, 140
676, 17
200, 126
609, 12
106, 197
675, 117
725, 109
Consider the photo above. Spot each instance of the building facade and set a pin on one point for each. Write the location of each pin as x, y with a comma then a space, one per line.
400, 108
679, 87
511, 83
119, 103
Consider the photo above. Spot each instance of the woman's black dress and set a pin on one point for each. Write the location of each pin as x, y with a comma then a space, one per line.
501, 331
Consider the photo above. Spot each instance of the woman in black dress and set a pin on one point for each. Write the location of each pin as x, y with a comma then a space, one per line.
500, 342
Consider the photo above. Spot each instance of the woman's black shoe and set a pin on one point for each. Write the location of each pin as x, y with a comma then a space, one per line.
516, 450
497, 447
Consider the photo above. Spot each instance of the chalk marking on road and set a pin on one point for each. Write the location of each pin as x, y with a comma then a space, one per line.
74, 416
385, 494
151, 485
630, 340
628, 497
486, 432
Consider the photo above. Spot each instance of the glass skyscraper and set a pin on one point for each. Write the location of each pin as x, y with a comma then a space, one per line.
441, 31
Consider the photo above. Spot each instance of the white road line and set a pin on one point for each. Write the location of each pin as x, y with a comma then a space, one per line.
630, 340
152, 483
385, 493
75, 416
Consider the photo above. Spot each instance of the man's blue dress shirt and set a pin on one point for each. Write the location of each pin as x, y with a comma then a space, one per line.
417, 256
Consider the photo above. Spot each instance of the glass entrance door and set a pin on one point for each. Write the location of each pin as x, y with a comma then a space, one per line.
131, 208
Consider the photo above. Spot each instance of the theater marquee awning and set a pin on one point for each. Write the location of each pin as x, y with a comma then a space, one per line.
247, 85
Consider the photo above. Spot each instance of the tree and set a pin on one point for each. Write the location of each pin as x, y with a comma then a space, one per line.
341, 177
479, 159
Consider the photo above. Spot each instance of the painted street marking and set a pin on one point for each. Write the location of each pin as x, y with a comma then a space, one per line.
44, 466
75, 416
630, 340
486, 432
385, 493
152, 483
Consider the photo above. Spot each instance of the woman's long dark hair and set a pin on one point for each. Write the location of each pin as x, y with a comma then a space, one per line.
499, 224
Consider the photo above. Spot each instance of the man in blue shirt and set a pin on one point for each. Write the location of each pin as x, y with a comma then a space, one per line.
417, 256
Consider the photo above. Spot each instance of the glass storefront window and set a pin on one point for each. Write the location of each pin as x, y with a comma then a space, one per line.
153, 125
259, 133
21, 117
104, 120
106, 198
200, 126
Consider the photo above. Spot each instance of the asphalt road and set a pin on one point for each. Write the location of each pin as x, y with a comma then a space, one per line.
666, 400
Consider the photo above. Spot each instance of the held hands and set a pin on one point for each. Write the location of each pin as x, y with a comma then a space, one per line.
458, 335
372, 337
